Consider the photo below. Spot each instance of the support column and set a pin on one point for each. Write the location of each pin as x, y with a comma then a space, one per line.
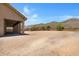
19, 28
22, 27
2, 27
16, 28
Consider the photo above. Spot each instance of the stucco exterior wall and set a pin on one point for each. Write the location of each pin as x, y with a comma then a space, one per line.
8, 13
22, 27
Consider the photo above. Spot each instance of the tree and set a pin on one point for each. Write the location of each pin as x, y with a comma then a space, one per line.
59, 27
48, 27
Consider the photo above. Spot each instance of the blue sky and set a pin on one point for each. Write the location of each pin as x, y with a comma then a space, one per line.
47, 12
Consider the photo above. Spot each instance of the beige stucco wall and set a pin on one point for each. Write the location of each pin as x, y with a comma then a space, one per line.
8, 13
1, 27
22, 27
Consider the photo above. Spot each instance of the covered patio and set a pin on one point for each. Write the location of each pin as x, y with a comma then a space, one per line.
13, 27
11, 20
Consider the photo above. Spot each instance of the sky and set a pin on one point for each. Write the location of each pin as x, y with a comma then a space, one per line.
47, 12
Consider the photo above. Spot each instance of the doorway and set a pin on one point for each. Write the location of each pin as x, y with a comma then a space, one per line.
9, 27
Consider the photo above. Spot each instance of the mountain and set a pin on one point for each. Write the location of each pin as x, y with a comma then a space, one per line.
72, 23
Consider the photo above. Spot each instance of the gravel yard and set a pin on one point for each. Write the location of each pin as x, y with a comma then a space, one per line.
41, 43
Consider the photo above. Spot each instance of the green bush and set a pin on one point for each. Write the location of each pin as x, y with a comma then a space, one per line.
48, 27
59, 27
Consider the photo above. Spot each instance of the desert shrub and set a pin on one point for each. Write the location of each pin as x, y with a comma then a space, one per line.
59, 27
42, 28
33, 28
48, 27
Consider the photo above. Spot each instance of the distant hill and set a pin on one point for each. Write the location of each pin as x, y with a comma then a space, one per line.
72, 23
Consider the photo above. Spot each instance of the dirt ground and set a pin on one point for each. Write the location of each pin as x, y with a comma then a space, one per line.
41, 43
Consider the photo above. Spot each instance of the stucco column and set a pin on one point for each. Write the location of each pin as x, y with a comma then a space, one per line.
2, 27
22, 27
16, 28
19, 28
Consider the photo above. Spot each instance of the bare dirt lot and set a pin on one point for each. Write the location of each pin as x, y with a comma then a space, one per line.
41, 43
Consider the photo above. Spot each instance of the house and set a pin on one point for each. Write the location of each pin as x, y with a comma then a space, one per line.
12, 19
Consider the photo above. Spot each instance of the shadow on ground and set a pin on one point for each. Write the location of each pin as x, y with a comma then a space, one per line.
13, 34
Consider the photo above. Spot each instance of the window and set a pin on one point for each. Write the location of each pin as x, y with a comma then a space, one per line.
9, 29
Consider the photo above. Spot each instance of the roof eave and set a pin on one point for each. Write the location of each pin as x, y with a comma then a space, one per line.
17, 12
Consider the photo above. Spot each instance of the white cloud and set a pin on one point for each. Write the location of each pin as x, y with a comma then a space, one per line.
35, 19
66, 16
26, 10
34, 16
62, 18
32, 19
